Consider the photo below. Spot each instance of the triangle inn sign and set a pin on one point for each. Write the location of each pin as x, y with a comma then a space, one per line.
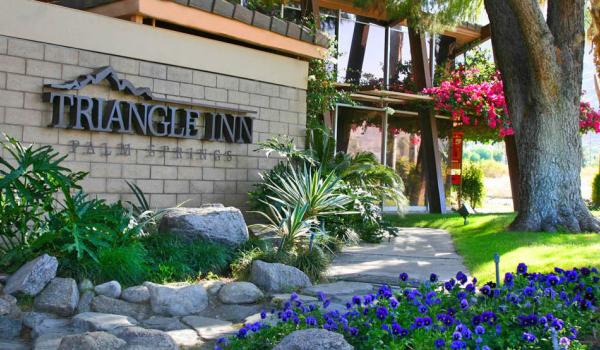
152, 118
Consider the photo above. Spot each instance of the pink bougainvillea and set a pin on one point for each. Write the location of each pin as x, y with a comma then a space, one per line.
472, 102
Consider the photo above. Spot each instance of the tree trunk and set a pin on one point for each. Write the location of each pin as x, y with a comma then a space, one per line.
541, 64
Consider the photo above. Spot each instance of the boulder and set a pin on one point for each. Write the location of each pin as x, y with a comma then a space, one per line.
164, 323
91, 341
140, 338
209, 328
59, 297
7, 304
32, 277
219, 224
85, 285
186, 338
85, 301
240, 293
309, 339
93, 321
108, 305
11, 318
177, 300
14, 345
110, 289
11, 322
232, 312
212, 286
44, 323
342, 291
277, 278
137, 294
49, 341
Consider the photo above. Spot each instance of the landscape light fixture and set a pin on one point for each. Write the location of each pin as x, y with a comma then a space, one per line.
465, 210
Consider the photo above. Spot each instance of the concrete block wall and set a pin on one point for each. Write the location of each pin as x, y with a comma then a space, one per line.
167, 180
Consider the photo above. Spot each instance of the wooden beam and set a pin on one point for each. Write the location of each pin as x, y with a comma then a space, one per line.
196, 19
436, 196
402, 95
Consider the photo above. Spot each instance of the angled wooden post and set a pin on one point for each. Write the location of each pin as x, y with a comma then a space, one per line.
436, 196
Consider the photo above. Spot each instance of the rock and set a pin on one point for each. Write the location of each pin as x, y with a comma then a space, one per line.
231, 312
93, 321
3, 277
32, 277
137, 294
280, 299
209, 328
59, 297
10, 326
11, 321
48, 341
177, 300
85, 285
271, 319
85, 301
140, 338
240, 293
7, 304
277, 278
110, 289
91, 341
186, 338
164, 323
45, 323
14, 345
106, 305
212, 286
219, 224
309, 339
337, 289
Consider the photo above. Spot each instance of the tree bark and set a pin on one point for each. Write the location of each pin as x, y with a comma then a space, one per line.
541, 64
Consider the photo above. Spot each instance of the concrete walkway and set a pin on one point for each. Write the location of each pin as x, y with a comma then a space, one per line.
416, 251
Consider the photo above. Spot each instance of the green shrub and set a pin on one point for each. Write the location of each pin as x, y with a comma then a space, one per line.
596, 191
473, 189
313, 262
173, 259
241, 265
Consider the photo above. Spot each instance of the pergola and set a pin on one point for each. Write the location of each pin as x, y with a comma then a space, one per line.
453, 42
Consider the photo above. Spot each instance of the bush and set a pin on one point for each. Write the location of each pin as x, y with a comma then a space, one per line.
596, 191
522, 314
173, 259
313, 262
472, 185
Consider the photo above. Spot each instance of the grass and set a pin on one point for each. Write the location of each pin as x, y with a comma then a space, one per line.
486, 234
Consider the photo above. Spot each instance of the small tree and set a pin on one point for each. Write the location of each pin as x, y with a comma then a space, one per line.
596, 191
472, 184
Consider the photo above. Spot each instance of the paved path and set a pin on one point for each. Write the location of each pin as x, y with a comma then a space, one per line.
416, 251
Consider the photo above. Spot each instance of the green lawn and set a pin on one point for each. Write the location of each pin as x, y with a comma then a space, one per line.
486, 234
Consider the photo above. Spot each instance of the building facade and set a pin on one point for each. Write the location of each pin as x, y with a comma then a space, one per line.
114, 74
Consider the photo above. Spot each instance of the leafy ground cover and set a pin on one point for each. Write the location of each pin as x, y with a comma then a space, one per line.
486, 234
529, 310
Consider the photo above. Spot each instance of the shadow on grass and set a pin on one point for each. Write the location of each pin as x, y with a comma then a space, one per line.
486, 234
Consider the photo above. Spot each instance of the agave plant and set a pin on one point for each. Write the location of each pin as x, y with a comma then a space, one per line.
290, 223
319, 193
145, 215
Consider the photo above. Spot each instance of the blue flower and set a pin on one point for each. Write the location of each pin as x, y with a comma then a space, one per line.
393, 302
423, 309
528, 337
479, 330
353, 331
521, 268
461, 277
458, 344
485, 290
464, 304
356, 300
564, 342
439, 343
433, 278
403, 276
381, 312
263, 315
242, 332
456, 336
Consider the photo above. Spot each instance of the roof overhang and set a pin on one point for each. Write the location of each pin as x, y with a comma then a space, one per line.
203, 21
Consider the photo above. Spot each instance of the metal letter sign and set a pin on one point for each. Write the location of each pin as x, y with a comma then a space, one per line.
152, 119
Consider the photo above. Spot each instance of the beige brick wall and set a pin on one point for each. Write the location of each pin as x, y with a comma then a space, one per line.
166, 178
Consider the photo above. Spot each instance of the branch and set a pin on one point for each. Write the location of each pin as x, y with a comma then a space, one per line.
539, 42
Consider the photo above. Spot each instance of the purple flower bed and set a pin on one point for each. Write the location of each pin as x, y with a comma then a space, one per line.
529, 311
